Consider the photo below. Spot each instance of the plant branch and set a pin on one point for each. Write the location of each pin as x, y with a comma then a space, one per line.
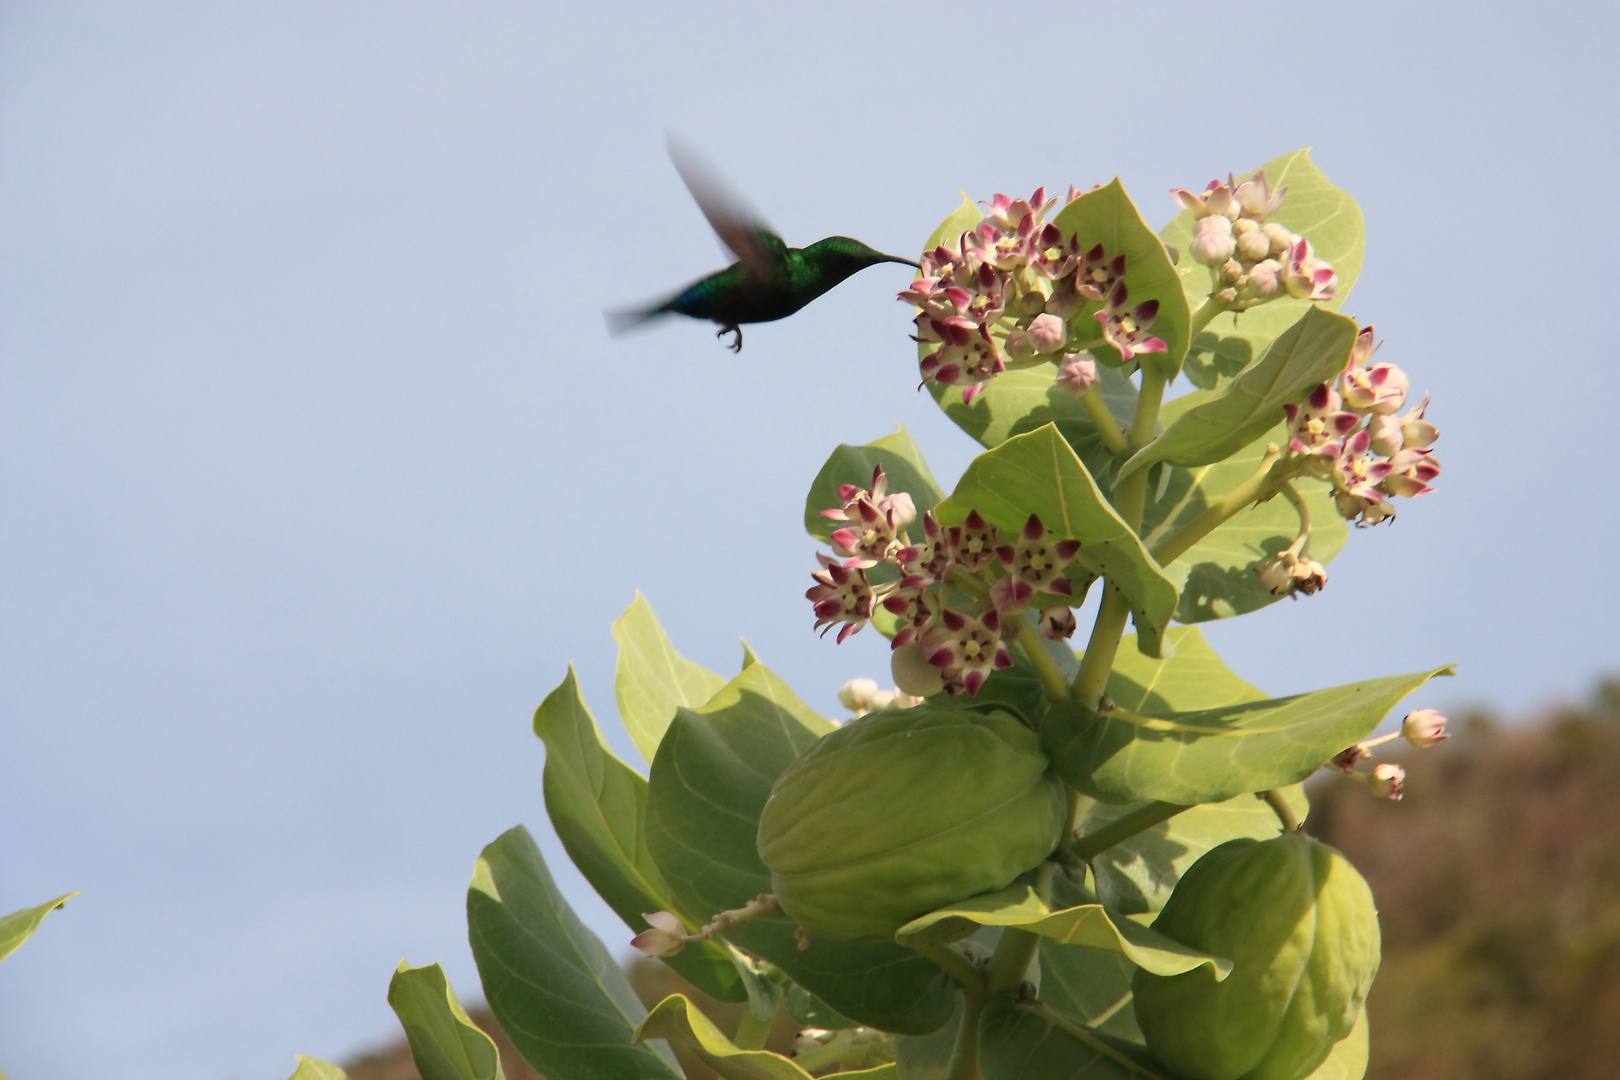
1052, 680
1113, 436
965, 1052
753, 1030
1010, 962
1130, 495
953, 964
1250, 491
1204, 316
1301, 546
1280, 807
1088, 1038
1121, 829
1092, 678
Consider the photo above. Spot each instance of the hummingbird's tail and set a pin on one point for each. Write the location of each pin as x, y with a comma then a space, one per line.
620, 320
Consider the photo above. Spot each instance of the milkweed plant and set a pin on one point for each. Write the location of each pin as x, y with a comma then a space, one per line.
1049, 850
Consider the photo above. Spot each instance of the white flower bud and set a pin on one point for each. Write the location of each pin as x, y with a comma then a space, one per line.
1263, 278
1253, 245
1212, 241
1058, 622
1386, 434
1424, 728
857, 694
1078, 373
913, 673
1048, 333
1387, 781
1018, 346
901, 507
1282, 241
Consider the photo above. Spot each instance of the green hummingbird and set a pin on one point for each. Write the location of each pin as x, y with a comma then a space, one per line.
768, 281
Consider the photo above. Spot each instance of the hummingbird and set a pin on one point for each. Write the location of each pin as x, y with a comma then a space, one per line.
769, 280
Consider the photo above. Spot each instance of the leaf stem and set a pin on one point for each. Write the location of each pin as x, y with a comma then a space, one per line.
1092, 678
753, 1030
1130, 495
1302, 545
1204, 316
1052, 680
1113, 436
1088, 1038
1010, 962
965, 1052
953, 964
1097, 841
1251, 490
1280, 807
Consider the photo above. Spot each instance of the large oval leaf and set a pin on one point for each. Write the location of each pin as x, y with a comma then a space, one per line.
1039, 474
1314, 208
1107, 216
597, 804
1310, 352
1091, 985
676, 1020
709, 784
1015, 1043
1121, 755
555, 989
1085, 924
445, 1043
651, 679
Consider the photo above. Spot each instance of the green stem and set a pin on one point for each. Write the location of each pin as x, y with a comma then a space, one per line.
1130, 495
1204, 316
1280, 807
953, 964
1301, 546
1100, 840
1176, 544
753, 1030
968, 582
965, 1052
1113, 436
1010, 962
1052, 680
1088, 1038
1092, 678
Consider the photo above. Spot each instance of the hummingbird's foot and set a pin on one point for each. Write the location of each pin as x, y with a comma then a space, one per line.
736, 345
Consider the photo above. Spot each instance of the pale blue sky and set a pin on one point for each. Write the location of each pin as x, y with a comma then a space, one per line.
318, 465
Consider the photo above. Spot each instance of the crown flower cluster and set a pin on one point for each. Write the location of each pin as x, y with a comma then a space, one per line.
1348, 433
1251, 259
1015, 292
954, 593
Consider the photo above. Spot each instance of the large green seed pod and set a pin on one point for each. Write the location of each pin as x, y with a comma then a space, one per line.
1298, 923
904, 811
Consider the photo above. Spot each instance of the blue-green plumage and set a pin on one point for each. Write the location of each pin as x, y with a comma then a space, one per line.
768, 281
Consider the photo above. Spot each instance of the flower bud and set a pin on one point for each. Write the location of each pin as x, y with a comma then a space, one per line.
1286, 574
1018, 346
1058, 622
1345, 760
857, 694
1416, 432
913, 673
1387, 780
1253, 245
665, 938
1386, 434
900, 509
1078, 373
1264, 278
1048, 333
1424, 727
1282, 241
1230, 271
1212, 241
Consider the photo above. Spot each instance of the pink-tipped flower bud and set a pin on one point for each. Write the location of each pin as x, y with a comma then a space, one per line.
1282, 241
1424, 728
1252, 244
1078, 373
665, 938
857, 695
1385, 432
1018, 346
1416, 432
1264, 278
1047, 333
1058, 622
1387, 781
1212, 242
900, 510
913, 673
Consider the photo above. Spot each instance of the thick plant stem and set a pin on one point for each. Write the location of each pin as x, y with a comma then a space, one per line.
752, 1030
1100, 840
1092, 678
1280, 807
1010, 962
1176, 544
965, 1053
1052, 680
1113, 436
1204, 316
1088, 1038
953, 964
1130, 495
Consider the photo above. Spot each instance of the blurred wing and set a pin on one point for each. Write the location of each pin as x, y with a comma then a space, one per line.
740, 227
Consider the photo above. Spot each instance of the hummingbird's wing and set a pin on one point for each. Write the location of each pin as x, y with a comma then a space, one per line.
741, 228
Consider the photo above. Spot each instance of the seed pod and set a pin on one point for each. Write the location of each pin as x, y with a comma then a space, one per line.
1298, 923
904, 811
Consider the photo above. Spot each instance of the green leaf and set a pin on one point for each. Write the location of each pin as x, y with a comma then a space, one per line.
749, 658
927, 1057
901, 461
1216, 575
808, 1010
315, 1069
597, 804
1017, 1044
1315, 209
961, 219
445, 1044
676, 1020
709, 783
19, 926
651, 679
1086, 924
1092, 985
1348, 1058
1122, 755
1107, 216
555, 989
1038, 473
1310, 352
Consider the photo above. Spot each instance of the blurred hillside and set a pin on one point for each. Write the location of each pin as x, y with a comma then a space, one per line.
1498, 886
